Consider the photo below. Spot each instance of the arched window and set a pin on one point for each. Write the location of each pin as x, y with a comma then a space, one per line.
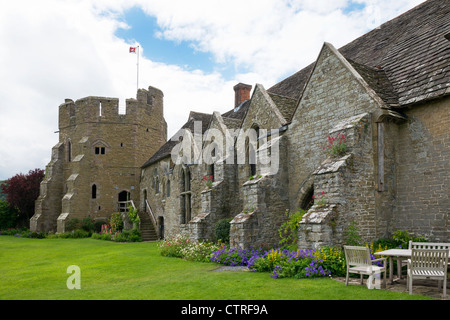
185, 188
251, 147
156, 180
145, 200
307, 200
94, 191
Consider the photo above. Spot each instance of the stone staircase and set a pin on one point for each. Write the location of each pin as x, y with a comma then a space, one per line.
148, 231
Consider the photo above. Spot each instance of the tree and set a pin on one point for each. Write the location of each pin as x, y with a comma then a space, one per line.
8, 216
22, 191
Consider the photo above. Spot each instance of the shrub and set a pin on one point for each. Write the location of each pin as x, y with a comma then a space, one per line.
129, 236
402, 238
107, 233
101, 236
222, 230
116, 222
87, 224
133, 216
8, 216
79, 233
182, 247
288, 229
74, 234
333, 259
173, 246
98, 225
23, 232
352, 237
200, 251
73, 224
282, 261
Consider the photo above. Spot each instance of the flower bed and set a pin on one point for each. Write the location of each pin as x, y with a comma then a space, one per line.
182, 247
281, 263
107, 233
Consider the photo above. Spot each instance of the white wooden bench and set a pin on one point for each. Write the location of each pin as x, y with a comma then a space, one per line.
359, 261
428, 264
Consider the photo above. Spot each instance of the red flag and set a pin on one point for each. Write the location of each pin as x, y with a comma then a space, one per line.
132, 49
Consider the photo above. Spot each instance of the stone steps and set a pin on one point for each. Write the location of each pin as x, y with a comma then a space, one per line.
147, 229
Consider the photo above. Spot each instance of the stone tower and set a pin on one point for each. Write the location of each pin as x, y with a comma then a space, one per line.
96, 163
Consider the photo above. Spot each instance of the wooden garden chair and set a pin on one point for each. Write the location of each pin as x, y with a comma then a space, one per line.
428, 264
359, 261
419, 245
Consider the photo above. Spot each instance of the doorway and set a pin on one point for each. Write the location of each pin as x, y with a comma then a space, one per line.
161, 227
123, 197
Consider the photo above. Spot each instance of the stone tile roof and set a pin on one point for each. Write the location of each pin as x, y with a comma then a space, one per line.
166, 148
286, 105
378, 81
405, 60
238, 113
232, 119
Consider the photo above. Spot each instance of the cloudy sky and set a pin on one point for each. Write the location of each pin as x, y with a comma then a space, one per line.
194, 51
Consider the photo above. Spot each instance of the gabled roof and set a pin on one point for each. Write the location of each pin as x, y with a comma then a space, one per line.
286, 105
405, 60
166, 149
239, 112
232, 119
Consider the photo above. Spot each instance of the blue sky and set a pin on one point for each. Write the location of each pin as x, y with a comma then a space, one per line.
194, 51
144, 30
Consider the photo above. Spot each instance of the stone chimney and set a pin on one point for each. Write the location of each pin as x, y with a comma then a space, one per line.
241, 93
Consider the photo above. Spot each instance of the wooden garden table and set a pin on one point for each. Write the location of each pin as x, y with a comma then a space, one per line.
397, 254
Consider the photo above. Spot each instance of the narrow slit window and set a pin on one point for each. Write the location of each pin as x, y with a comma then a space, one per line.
380, 147
94, 191
69, 151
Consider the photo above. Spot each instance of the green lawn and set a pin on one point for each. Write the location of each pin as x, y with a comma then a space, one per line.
37, 269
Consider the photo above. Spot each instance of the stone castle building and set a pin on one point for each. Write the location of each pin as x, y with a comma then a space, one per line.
96, 163
387, 93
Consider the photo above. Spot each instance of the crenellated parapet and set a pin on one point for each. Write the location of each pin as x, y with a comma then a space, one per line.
95, 109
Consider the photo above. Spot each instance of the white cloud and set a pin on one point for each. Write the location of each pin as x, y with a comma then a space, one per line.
57, 49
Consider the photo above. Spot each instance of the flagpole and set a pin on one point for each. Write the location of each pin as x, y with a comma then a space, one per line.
137, 65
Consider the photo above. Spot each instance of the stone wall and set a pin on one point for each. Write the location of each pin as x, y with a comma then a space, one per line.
423, 172
334, 95
265, 202
345, 186
48, 204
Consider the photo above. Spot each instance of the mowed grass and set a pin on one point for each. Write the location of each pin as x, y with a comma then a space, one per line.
34, 269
